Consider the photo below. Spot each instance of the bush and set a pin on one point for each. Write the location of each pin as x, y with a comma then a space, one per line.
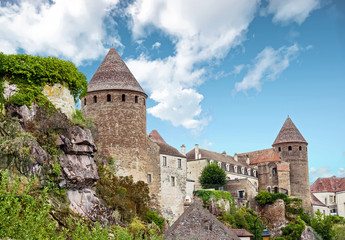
152, 216
323, 225
212, 177
79, 119
205, 195
293, 231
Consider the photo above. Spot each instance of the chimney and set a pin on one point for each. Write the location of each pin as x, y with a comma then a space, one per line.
196, 151
235, 157
247, 161
183, 149
224, 153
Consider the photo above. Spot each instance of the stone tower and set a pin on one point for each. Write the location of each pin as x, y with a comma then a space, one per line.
292, 148
117, 104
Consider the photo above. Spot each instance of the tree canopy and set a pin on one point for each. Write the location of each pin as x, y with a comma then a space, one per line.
212, 176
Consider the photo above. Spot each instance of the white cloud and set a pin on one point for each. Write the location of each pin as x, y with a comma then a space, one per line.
341, 172
199, 36
75, 30
268, 64
238, 69
286, 11
156, 45
322, 172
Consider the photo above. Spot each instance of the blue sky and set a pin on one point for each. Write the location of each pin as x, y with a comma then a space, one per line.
224, 74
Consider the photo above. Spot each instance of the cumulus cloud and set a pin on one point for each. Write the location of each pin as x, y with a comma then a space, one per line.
156, 45
268, 64
74, 30
341, 172
322, 172
199, 37
292, 10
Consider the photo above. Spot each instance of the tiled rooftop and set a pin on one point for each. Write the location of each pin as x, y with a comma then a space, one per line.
164, 148
289, 133
331, 184
265, 155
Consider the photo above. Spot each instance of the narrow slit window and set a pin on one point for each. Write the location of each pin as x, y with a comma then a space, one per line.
108, 98
279, 149
123, 97
179, 163
173, 181
136, 99
95, 99
144, 102
300, 148
149, 179
84, 101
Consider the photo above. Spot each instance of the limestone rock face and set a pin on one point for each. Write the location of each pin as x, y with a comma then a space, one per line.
61, 97
276, 211
308, 234
9, 89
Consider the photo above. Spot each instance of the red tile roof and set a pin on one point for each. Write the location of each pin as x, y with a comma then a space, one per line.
242, 233
164, 148
265, 155
289, 133
315, 201
113, 74
331, 184
219, 157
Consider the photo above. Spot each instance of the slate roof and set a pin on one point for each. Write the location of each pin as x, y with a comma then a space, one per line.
331, 184
113, 74
164, 148
289, 133
265, 155
242, 233
221, 157
198, 223
315, 201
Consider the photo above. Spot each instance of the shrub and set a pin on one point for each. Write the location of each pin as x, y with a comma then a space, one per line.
212, 176
152, 216
79, 119
293, 231
205, 195
323, 225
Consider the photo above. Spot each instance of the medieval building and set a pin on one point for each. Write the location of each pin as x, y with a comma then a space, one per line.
116, 103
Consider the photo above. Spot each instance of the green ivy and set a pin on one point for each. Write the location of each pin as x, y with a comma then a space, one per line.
205, 195
32, 73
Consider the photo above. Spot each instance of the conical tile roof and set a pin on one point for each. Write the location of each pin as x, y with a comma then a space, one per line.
289, 133
113, 74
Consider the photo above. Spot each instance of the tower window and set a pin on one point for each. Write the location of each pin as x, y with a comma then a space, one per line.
136, 99
269, 189
274, 171
149, 179
108, 98
123, 97
289, 148
95, 99
300, 148
144, 101
275, 189
84, 101
279, 149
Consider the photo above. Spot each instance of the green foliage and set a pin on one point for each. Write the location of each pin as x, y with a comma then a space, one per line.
82, 232
212, 177
279, 238
293, 231
123, 194
152, 216
323, 225
206, 195
22, 217
339, 231
32, 73
79, 119
265, 197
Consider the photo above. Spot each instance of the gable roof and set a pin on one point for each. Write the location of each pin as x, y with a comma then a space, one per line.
331, 184
219, 157
265, 155
289, 133
315, 201
164, 148
198, 223
113, 74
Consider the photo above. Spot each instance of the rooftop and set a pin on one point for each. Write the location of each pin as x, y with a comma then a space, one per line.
315, 201
289, 133
331, 184
265, 155
113, 74
164, 148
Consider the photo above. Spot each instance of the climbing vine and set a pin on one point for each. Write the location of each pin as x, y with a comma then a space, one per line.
31, 73
205, 195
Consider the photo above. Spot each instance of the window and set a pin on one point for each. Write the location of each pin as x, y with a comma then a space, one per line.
164, 161
228, 167
179, 164
289, 148
173, 181
274, 171
275, 189
95, 99
279, 149
241, 194
108, 98
326, 201
242, 170
136, 99
149, 178
254, 173
211, 161
220, 164
144, 102
287, 192
331, 198
123, 97
235, 169
248, 171
268, 189
324, 213
300, 148
84, 101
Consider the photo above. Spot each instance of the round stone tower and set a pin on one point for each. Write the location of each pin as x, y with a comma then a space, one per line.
117, 104
292, 148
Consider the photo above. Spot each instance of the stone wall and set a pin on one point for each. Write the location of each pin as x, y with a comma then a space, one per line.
194, 170
234, 186
121, 129
61, 97
173, 193
266, 175
283, 169
341, 203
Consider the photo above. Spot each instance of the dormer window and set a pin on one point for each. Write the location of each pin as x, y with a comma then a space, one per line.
242, 170
123, 97
235, 169
220, 164
211, 161
248, 171
228, 167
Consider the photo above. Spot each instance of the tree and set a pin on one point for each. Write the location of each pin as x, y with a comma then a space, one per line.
212, 177
323, 225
